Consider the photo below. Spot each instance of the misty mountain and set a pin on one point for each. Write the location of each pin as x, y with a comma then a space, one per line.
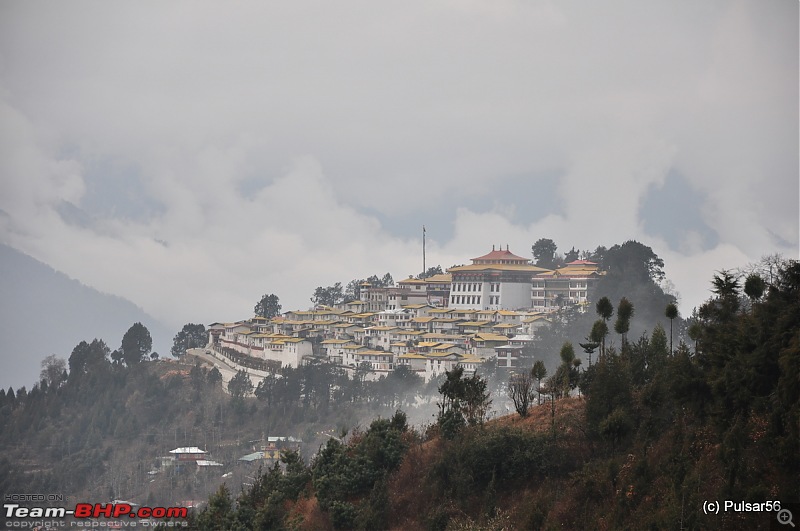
43, 312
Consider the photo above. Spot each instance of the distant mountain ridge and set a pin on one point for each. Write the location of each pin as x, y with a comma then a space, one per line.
43, 312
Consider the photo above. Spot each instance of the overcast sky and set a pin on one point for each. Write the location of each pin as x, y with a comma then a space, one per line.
192, 156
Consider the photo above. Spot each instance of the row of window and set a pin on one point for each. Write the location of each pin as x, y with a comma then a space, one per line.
573, 285
579, 295
543, 302
467, 286
374, 358
465, 299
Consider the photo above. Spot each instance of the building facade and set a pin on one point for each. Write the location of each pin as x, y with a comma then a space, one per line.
568, 285
499, 280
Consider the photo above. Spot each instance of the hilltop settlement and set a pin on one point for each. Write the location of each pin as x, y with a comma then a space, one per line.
490, 308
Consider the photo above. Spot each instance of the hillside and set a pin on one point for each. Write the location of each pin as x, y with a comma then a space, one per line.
34, 298
105, 432
650, 437
655, 436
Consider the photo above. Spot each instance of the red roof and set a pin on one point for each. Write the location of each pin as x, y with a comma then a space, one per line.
496, 256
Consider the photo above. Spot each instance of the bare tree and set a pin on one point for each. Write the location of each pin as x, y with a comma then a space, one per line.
53, 370
539, 371
520, 391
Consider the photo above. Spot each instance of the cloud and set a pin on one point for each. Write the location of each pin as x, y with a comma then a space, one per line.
191, 157
197, 264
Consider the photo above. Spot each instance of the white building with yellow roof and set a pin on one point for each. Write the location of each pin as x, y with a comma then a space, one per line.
499, 280
408, 291
414, 360
570, 284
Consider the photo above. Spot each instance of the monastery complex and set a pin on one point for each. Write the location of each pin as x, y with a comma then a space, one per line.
490, 308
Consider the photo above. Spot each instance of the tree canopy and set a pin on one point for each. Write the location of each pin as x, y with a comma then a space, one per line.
136, 344
431, 271
53, 369
633, 261
464, 401
544, 252
240, 386
190, 336
330, 296
86, 356
269, 306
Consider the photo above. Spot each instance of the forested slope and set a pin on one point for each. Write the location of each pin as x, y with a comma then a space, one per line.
654, 436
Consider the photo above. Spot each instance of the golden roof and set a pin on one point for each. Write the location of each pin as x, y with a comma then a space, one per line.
412, 355
445, 346
443, 354
497, 267
412, 281
439, 278
534, 319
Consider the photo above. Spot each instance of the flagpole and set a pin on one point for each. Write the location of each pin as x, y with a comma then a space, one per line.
424, 270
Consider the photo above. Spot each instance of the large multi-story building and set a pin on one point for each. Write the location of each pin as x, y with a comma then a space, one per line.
375, 298
499, 280
410, 291
570, 284
407, 291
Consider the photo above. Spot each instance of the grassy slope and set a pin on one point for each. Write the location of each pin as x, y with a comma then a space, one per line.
660, 484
